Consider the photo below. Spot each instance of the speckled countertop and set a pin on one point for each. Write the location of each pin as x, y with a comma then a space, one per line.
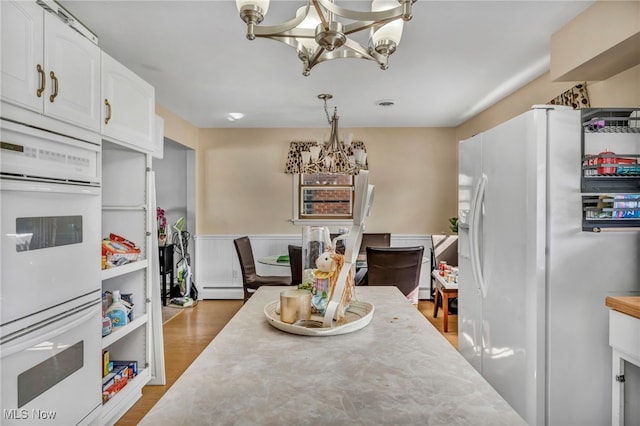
397, 370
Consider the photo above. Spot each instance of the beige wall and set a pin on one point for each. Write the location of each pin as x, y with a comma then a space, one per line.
177, 129
622, 90
242, 188
587, 48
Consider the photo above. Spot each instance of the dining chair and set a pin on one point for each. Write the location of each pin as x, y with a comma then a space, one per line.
339, 245
370, 240
295, 262
374, 240
251, 281
396, 266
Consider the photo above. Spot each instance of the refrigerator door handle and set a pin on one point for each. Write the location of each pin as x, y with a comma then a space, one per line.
474, 236
472, 227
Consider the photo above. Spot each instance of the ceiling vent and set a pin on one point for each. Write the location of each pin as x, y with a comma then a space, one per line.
385, 103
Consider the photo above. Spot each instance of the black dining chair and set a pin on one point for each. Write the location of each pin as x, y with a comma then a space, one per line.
370, 239
396, 266
339, 244
251, 281
295, 262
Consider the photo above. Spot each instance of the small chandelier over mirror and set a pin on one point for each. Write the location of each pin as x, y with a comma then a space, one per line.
318, 36
335, 155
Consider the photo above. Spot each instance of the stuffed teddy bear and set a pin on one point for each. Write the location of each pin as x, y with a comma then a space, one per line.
325, 279
322, 276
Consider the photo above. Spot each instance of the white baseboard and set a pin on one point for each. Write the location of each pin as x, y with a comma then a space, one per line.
221, 293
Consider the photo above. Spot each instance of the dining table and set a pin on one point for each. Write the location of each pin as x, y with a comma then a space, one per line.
397, 369
283, 260
278, 260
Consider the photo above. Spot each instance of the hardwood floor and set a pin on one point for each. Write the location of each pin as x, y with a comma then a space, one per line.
188, 333
426, 307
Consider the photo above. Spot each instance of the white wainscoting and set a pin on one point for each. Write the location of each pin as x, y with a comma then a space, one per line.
217, 272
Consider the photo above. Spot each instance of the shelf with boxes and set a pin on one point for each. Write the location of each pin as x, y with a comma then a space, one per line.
116, 375
610, 178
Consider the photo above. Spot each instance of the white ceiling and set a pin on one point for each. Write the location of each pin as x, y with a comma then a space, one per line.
456, 58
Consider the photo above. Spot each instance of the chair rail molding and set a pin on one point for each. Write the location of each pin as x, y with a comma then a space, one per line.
217, 269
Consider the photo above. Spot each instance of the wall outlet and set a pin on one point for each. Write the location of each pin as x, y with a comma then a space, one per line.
235, 274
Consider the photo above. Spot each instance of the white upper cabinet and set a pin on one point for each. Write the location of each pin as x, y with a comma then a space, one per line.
73, 68
48, 67
22, 74
128, 106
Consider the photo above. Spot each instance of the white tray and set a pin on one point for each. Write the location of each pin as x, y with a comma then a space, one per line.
358, 315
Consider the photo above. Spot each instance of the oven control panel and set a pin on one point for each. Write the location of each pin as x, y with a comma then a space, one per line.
29, 153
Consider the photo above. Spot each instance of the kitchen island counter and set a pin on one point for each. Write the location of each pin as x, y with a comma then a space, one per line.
397, 370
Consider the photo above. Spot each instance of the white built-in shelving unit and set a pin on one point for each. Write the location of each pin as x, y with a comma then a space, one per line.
126, 212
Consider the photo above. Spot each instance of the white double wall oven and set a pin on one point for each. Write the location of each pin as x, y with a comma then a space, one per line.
50, 296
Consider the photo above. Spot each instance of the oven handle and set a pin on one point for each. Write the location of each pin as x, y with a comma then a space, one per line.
47, 187
18, 345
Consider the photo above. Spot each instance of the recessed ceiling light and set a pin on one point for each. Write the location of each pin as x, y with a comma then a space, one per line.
385, 102
233, 116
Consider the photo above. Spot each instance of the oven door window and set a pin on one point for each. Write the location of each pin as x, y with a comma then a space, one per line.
35, 233
42, 377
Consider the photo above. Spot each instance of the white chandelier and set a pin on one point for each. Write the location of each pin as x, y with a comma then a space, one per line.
317, 36
334, 155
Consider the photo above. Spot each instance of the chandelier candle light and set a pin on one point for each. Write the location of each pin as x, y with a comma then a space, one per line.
318, 36
333, 156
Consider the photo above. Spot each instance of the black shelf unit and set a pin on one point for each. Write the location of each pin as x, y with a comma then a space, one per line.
165, 254
610, 182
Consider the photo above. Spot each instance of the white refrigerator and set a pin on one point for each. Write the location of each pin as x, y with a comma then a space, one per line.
532, 285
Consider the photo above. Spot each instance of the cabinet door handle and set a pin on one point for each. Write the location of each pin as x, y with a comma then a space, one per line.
106, 120
55, 86
43, 80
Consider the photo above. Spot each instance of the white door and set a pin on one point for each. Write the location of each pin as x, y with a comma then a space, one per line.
469, 299
580, 275
22, 73
51, 373
50, 246
506, 207
72, 64
128, 104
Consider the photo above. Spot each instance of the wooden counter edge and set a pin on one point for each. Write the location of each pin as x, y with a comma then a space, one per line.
629, 305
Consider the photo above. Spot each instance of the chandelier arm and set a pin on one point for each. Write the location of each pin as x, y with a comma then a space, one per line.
358, 26
289, 41
319, 11
354, 51
284, 28
358, 49
401, 11
315, 59
349, 54
363, 20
